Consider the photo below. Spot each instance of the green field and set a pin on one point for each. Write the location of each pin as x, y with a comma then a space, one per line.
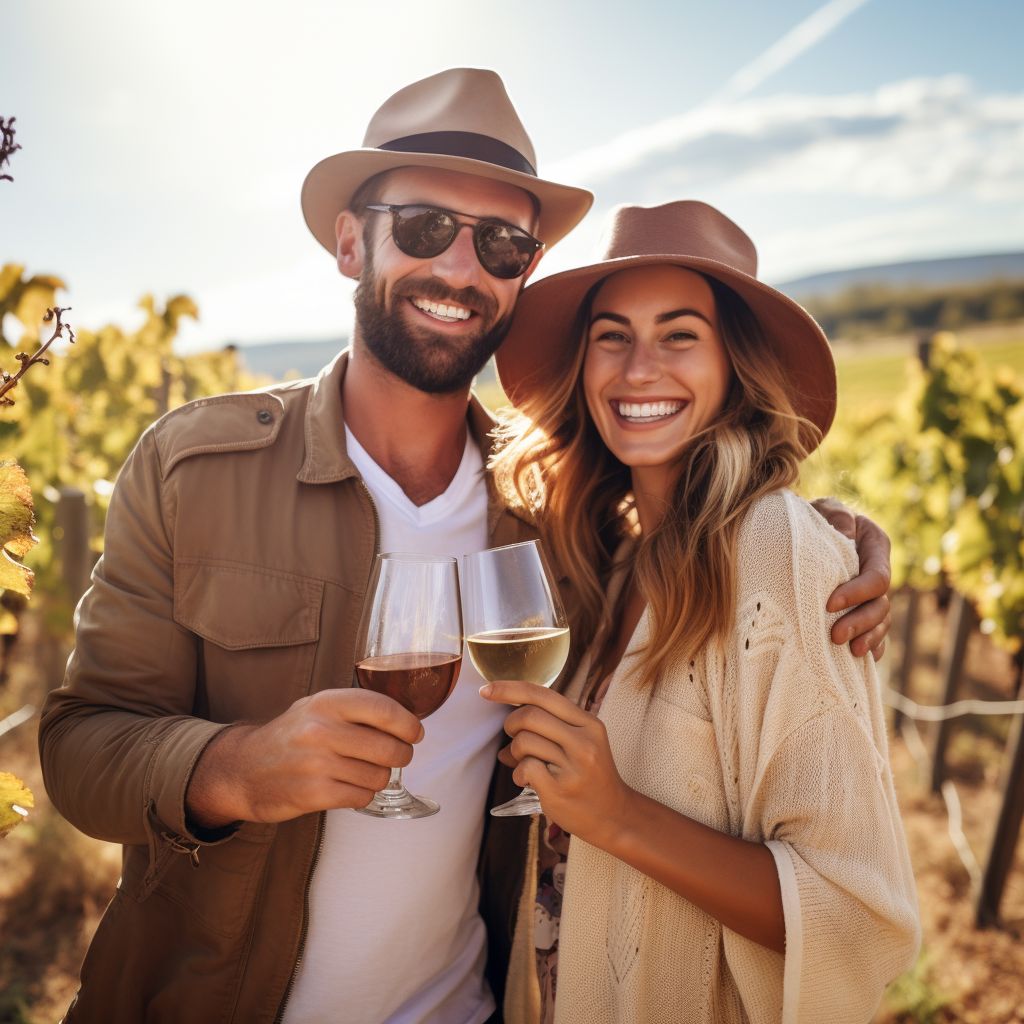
877, 371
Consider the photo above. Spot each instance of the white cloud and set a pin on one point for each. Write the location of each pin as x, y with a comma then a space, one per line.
629, 149
903, 140
912, 169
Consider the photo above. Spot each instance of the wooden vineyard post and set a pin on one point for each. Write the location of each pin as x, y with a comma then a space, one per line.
960, 624
909, 631
73, 545
1007, 832
162, 392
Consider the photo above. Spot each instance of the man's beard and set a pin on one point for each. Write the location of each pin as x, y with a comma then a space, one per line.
434, 363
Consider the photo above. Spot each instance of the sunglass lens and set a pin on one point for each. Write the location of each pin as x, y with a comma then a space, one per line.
504, 251
422, 232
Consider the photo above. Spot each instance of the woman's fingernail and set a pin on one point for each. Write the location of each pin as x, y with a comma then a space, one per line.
486, 690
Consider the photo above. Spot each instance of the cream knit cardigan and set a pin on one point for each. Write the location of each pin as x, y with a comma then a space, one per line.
777, 736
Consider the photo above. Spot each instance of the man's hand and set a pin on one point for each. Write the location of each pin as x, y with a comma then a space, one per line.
867, 626
335, 748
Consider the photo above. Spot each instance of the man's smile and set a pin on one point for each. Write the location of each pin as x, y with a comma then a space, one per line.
445, 312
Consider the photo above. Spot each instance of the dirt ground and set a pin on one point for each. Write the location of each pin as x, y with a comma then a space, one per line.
54, 882
964, 975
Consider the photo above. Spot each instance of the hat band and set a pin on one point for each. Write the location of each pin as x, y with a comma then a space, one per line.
465, 144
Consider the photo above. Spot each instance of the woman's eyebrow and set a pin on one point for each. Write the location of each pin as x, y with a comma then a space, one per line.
664, 317
617, 317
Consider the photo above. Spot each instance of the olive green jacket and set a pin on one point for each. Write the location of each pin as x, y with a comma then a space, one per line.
238, 546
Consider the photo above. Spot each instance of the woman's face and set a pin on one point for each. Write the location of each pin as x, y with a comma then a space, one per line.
655, 371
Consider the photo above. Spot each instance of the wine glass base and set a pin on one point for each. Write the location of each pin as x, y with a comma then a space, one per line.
526, 803
399, 805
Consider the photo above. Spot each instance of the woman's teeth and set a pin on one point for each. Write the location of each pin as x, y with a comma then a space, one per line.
449, 314
647, 412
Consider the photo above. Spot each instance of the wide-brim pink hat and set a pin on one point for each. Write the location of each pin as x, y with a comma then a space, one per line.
690, 234
458, 120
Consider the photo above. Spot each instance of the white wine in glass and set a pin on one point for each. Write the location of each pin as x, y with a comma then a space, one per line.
515, 627
410, 649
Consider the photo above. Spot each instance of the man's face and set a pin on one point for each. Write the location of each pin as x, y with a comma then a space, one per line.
397, 314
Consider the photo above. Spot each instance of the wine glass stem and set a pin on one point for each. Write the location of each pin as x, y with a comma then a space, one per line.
395, 785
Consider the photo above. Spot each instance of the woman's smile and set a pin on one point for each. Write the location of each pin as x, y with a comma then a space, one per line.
643, 412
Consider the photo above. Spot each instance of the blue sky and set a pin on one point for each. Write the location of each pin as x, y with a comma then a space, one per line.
164, 146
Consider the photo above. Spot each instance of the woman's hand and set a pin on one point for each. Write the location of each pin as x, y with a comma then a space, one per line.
563, 753
733, 879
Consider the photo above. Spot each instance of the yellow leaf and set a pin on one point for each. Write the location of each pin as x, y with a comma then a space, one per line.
15, 800
38, 295
16, 512
15, 576
10, 278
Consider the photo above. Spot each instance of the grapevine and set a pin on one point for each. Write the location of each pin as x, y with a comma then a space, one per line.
943, 473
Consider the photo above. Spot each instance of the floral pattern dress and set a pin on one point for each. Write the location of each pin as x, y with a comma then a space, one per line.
552, 854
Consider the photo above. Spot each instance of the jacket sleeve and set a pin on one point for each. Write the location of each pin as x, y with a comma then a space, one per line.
823, 801
118, 740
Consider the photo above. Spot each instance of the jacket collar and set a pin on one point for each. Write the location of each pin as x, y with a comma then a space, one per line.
326, 460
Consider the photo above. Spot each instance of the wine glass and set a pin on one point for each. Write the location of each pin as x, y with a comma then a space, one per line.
515, 627
410, 649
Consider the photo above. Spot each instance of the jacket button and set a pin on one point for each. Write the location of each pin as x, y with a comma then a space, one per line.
265, 416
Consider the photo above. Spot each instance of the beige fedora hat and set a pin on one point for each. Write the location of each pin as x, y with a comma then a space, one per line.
459, 120
687, 234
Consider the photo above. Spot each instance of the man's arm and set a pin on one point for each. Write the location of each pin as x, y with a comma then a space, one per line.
119, 743
867, 594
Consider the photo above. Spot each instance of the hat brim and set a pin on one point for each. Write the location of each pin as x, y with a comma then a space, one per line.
330, 185
540, 344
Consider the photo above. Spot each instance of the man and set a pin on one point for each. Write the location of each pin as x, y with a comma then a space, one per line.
207, 721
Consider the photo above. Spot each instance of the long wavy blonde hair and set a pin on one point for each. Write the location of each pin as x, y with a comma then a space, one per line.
551, 460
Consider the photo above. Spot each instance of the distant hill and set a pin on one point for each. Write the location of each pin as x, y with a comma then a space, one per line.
956, 270
279, 359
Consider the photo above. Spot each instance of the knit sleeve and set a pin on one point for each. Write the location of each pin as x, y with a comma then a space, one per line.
847, 890
821, 796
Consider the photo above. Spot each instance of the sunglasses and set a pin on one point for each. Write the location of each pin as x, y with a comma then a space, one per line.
423, 232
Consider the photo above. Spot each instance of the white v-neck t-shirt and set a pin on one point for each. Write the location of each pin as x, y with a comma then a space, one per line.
394, 933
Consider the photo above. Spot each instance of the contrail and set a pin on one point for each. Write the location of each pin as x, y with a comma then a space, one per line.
823, 22
630, 148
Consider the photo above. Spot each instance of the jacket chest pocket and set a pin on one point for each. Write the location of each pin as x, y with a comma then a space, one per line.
258, 631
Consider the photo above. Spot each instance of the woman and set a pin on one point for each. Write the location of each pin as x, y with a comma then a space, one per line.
720, 809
